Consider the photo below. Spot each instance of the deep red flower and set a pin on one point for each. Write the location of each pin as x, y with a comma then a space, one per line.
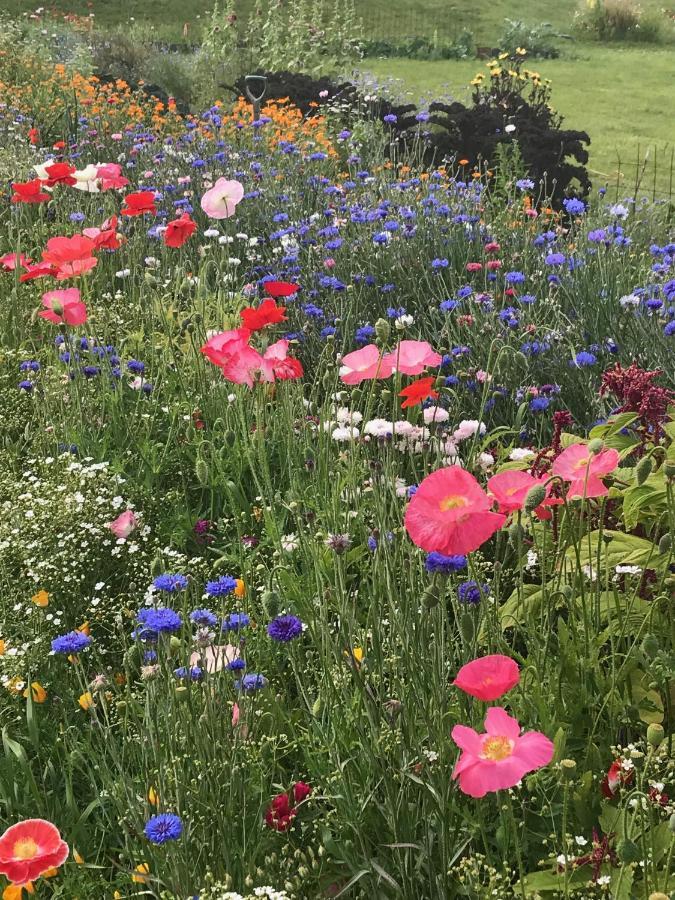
29, 192
280, 288
633, 387
60, 173
280, 813
268, 313
34, 136
616, 778
178, 231
139, 203
301, 791
418, 391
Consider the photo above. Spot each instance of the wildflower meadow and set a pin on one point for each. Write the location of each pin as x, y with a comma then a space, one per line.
337, 501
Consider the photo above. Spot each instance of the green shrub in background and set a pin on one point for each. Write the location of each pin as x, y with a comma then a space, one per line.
423, 48
618, 20
538, 40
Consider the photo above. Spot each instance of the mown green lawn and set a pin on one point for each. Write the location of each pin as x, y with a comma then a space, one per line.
623, 97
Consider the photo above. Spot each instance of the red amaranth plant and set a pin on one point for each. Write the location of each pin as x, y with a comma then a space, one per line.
634, 388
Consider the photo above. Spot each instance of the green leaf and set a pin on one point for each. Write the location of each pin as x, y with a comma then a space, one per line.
521, 606
554, 882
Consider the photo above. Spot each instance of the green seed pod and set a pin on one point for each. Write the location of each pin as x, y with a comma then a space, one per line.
357, 395
669, 469
568, 767
181, 692
655, 734
535, 496
665, 543
382, 330
628, 851
121, 706
386, 395
202, 471
440, 381
643, 470
650, 646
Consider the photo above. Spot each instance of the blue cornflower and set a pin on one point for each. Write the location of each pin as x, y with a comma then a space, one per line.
72, 642
29, 365
364, 334
439, 263
390, 119
236, 621
514, 277
221, 587
372, 543
525, 184
539, 404
237, 664
136, 367
170, 583
251, 682
669, 330
77, 217
26, 386
194, 673
157, 621
448, 305
555, 259
204, 617
583, 359
573, 206
163, 827
91, 371
445, 565
284, 628
471, 591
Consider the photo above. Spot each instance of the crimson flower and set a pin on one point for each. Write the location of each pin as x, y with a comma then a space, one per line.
60, 172
139, 203
280, 288
178, 231
418, 391
268, 313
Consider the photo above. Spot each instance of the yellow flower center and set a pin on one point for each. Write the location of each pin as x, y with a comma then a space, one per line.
26, 848
582, 463
454, 501
496, 748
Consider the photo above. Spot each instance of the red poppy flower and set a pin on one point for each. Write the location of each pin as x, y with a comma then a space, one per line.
178, 231
34, 136
10, 261
60, 172
30, 848
29, 192
280, 288
71, 256
105, 237
280, 813
418, 391
268, 313
139, 203
301, 791
59, 145
39, 270
616, 778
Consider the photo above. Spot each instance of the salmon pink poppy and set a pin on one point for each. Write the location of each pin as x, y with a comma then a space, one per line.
110, 176
139, 203
64, 307
364, 364
268, 313
179, 231
241, 364
72, 256
412, 357
29, 848
124, 524
500, 757
220, 201
220, 347
450, 513
10, 261
280, 288
276, 363
39, 270
29, 192
510, 488
583, 469
418, 391
488, 677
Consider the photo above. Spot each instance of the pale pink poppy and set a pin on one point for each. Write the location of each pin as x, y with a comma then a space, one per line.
583, 469
64, 307
222, 346
488, 677
215, 658
450, 513
110, 176
412, 357
364, 364
124, 524
499, 758
242, 364
220, 201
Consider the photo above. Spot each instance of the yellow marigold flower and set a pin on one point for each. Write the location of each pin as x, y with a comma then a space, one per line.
41, 599
39, 694
86, 700
143, 869
240, 589
153, 796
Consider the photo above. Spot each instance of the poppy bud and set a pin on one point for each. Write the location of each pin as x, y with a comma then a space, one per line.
467, 627
650, 646
382, 330
655, 734
430, 598
643, 470
230, 438
669, 469
317, 706
596, 445
535, 497
665, 543
202, 471
386, 395
516, 532
440, 381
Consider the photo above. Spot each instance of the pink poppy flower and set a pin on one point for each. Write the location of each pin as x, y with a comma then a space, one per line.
412, 357
110, 176
364, 364
30, 848
124, 524
499, 758
510, 489
221, 200
221, 347
64, 307
450, 513
276, 363
10, 261
474, 267
72, 256
583, 469
488, 677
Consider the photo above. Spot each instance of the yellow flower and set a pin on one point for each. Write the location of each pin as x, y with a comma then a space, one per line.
39, 693
15, 891
78, 859
84, 628
521, 51
503, 56
153, 796
2, 647
240, 590
41, 599
143, 869
86, 700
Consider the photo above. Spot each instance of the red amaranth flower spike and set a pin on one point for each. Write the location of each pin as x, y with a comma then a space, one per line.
633, 387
